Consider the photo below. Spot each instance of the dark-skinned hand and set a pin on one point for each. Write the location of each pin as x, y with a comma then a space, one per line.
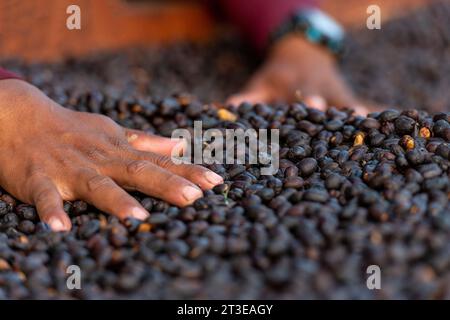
294, 66
50, 154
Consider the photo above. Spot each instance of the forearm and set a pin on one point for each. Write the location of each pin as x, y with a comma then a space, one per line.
258, 18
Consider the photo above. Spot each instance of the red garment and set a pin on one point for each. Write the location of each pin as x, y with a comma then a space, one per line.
258, 18
5, 74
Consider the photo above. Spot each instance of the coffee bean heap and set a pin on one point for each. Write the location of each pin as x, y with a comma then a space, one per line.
406, 63
351, 192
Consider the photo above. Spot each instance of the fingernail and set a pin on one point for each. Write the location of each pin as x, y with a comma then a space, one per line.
191, 193
56, 224
316, 102
139, 214
132, 137
179, 148
213, 178
360, 110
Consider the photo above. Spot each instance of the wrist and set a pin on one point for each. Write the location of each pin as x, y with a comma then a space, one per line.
315, 26
16, 97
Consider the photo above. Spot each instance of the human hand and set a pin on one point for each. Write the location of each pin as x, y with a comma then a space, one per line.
50, 154
294, 65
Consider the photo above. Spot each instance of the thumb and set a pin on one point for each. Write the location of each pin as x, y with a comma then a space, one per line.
316, 102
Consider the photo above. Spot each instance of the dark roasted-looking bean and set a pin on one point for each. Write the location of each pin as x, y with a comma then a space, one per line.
389, 115
307, 166
316, 195
430, 170
404, 125
4, 208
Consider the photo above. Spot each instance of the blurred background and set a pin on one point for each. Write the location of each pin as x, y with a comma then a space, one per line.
173, 46
36, 29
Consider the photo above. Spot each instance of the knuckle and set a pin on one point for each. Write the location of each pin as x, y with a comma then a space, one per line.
34, 174
107, 120
117, 142
94, 153
41, 196
34, 177
162, 161
174, 182
66, 192
97, 182
192, 169
137, 166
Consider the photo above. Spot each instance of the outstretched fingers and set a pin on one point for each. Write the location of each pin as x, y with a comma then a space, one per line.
49, 204
154, 180
102, 192
201, 176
